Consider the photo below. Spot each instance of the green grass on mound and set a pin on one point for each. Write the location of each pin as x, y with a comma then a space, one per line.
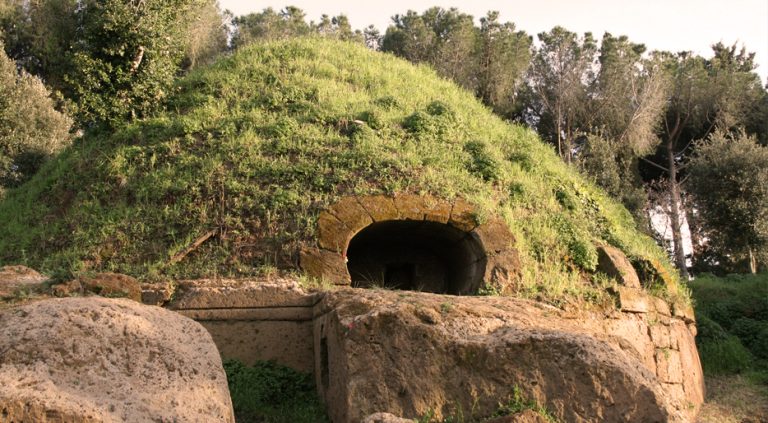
256, 145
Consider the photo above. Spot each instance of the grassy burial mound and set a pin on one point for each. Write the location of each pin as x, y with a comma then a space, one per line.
231, 179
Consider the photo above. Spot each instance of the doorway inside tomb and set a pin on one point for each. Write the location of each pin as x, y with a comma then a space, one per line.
416, 255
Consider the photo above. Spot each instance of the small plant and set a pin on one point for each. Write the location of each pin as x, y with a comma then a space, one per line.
518, 402
482, 164
270, 393
446, 307
489, 290
427, 417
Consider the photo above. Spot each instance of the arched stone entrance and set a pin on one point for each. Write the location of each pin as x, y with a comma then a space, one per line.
411, 242
416, 255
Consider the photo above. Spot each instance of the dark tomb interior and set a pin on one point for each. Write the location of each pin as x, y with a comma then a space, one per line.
417, 256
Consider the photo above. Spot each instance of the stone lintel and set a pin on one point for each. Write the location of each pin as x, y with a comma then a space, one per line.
211, 294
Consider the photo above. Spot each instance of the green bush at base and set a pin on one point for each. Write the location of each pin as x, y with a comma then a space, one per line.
270, 393
732, 318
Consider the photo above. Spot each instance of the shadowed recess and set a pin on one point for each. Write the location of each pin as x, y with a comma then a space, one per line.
416, 255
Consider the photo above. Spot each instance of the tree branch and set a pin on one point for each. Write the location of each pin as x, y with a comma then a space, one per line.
654, 164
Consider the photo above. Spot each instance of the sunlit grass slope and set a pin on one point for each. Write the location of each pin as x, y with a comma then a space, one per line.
257, 144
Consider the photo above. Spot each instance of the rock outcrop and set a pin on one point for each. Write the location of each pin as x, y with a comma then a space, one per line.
407, 353
108, 360
113, 285
15, 280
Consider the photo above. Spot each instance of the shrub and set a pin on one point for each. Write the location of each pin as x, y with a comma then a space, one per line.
482, 163
270, 393
724, 356
31, 130
731, 315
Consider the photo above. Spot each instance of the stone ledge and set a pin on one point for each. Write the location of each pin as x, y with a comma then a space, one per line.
248, 293
266, 314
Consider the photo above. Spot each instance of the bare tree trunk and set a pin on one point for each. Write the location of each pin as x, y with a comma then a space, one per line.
559, 138
752, 261
674, 207
693, 227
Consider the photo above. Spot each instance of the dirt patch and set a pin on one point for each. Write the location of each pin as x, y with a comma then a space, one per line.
734, 399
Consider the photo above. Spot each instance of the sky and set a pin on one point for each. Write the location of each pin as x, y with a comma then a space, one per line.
674, 25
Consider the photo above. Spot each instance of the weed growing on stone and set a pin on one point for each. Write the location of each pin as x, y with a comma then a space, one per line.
518, 402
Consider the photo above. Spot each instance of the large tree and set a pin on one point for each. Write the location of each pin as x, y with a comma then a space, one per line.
112, 59
411, 38
706, 94
625, 105
503, 57
489, 60
291, 22
338, 27
206, 35
558, 82
729, 182
269, 25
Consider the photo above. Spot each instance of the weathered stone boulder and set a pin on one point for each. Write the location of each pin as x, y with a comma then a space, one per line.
407, 353
112, 285
108, 360
14, 279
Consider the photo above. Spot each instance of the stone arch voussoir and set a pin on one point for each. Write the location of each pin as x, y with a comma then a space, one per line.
339, 223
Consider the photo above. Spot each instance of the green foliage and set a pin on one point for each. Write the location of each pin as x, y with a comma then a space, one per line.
290, 22
270, 393
31, 130
112, 59
481, 163
753, 334
732, 319
614, 169
729, 179
557, 87
125, 58
503, 56
518, 402
489, 60
258, 144
727, 299
38, 34
724, 356
206, 34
